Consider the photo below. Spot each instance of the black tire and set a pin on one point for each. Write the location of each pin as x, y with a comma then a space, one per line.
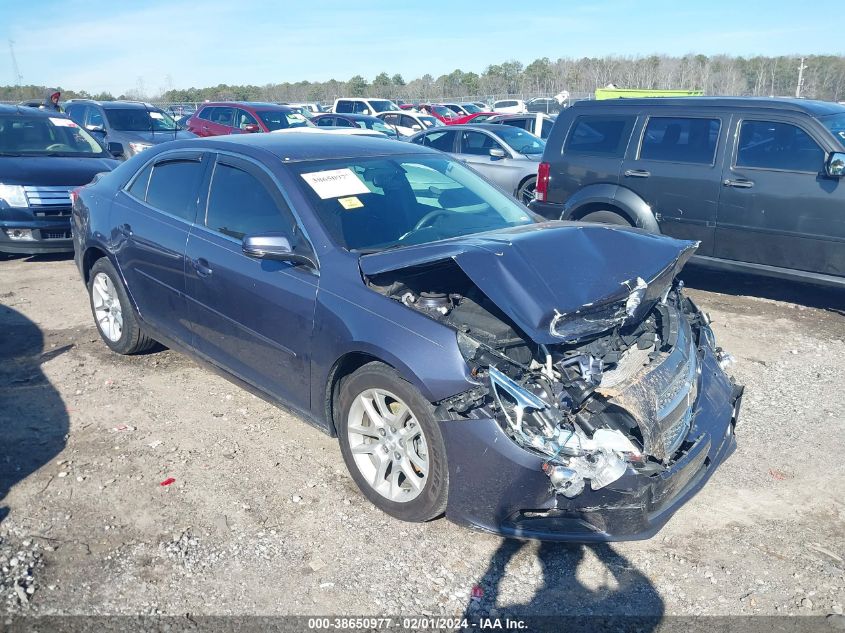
430, 502
527, 191
132, 339
606, 217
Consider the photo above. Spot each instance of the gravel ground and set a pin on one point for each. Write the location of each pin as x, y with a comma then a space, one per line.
261, 517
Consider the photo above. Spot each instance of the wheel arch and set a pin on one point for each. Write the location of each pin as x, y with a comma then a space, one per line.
614, 198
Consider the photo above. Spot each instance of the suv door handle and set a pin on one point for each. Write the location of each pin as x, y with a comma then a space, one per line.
637, 173
202, 267
739, 184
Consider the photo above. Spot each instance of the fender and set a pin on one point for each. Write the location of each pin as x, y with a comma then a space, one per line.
611, 196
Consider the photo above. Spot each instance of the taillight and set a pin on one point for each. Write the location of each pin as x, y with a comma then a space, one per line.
542, 190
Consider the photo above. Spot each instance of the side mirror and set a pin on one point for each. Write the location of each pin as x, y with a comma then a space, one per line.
416, 127
115, 149
273, 246
96, 128
497, 153
365, 111
251, 127
835, 165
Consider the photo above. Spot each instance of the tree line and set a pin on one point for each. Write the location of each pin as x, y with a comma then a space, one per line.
824, 78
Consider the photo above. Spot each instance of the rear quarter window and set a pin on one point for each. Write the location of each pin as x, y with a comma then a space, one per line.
600, 135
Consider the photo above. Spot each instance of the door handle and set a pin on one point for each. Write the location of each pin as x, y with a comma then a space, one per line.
202, 267
125, 230
739, 184
637, 173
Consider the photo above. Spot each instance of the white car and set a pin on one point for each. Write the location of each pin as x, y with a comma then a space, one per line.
406, 122
312, 107
510, 106
361, 105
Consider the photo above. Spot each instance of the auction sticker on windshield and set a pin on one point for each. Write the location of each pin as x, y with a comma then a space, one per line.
352, 202
335, 183
62, 122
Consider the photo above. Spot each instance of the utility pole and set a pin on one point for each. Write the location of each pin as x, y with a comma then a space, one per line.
15, 69
800, 85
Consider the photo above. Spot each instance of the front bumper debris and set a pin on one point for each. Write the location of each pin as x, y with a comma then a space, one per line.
497, 486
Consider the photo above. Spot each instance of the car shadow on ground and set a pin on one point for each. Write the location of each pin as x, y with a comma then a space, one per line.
598, 596
741, 285
34, 420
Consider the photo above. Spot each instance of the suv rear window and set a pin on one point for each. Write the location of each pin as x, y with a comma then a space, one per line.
343, 106
680, 140
602, 135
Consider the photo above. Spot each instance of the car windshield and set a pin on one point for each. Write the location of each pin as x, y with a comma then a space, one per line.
471, 108
521, 141
836, 124
383, 105
430, 121
282, 119
140, 120
378, 125
45, 136
373, 204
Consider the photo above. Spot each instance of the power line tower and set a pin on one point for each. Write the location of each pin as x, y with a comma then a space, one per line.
800, 85
15, 69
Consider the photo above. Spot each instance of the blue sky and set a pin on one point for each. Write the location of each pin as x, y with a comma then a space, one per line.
96, 45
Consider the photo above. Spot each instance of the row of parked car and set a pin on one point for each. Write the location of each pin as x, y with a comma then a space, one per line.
755, 181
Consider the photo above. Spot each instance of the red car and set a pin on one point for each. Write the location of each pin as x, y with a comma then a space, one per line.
439, 112
475, 117
235, 117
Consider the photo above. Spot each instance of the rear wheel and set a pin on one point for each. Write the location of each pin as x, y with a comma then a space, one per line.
391, 443
113, 314
527, 191
605, 216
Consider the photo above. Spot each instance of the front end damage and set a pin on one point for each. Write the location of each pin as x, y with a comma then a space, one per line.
596, 427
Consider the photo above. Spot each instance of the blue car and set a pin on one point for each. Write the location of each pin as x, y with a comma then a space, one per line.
536, 379
43, 157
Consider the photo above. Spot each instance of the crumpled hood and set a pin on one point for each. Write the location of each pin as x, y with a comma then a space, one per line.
537, 272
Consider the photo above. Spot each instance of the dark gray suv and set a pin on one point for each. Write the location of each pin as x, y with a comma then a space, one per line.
125, 127
756, 181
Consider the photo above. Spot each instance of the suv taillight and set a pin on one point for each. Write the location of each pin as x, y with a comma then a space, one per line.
542, 190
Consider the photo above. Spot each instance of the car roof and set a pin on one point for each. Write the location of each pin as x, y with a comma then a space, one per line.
30, 111
128, 105
297, 147
347, 115
259, 105
807, 106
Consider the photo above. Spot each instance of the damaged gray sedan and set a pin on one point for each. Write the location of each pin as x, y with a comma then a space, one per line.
534, 379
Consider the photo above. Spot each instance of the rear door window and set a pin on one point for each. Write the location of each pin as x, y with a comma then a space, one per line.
343, 106
520, 123
776, 145
223, 116
326, 121
174, 185
600, 135
444, 141
680, 139
206, 114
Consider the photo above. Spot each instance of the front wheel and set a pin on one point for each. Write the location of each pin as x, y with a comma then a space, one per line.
391, 443
113, 314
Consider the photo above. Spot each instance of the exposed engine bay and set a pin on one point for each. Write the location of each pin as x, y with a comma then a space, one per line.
617, 391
